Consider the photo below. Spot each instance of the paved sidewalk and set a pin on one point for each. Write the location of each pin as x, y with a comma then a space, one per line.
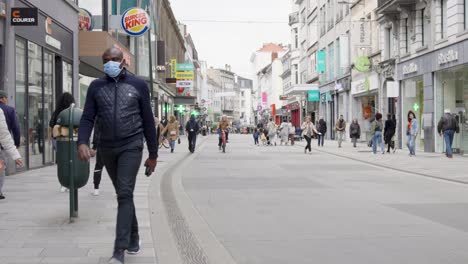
34, 226
434, 165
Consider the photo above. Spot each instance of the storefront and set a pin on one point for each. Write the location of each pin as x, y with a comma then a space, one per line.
364, 93
44, 66
429, 85
327, 111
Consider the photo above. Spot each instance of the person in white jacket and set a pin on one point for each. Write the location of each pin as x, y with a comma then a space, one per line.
8, 148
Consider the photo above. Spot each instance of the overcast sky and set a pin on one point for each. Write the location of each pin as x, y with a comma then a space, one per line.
233, 43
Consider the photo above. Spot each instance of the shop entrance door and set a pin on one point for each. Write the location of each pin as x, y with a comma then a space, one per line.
34, 98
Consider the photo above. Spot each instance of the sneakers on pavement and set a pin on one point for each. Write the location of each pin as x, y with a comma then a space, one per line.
96, 192
63, 189
2, 196
118, 257
134, 247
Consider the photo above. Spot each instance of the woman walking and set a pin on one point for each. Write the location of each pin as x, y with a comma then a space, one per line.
271, 132
389, 132
355, 131
284, 132
411, 133
308, 129
172, 130
376, 132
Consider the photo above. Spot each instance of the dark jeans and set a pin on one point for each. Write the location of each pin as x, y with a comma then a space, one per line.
308, 139
354, 140
448, 137
98, 170
256, 140
192, 139
321, 140
122, 164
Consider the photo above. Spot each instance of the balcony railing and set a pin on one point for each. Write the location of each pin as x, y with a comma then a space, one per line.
381, 3
294, 18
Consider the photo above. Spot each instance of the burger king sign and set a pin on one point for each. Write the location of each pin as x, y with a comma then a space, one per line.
85, 20
135, 21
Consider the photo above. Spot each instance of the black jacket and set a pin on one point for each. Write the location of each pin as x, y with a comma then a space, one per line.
448, 122
355, 130
124, 112
322, 126
192, 124
389, 131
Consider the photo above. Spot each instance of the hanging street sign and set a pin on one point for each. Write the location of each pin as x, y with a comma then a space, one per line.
362, 64
135, 21
185, 67
313, 96
184, 84
185, 76
321, 61
21, 16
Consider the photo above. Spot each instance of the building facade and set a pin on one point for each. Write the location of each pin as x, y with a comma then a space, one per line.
38, 64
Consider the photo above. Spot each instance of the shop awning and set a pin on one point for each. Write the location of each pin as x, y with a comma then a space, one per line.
301, 89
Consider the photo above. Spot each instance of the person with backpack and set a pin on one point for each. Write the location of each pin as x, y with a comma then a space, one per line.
322, 128
192, 129
354, 132
447, 127
376, 132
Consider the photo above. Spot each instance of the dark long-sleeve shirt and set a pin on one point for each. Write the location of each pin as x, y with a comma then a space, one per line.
124, 112
12, 123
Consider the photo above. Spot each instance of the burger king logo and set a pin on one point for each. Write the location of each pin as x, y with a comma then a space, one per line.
135, 21
85, 20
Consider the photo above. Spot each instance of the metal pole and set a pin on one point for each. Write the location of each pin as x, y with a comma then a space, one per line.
73, 193
105, 15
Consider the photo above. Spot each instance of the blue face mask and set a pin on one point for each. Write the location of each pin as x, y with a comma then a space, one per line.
112, 68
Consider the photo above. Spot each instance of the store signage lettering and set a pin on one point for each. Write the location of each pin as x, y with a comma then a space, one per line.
410, 68
449, 56
53, 42
185, 67
85, 20
135, 21
24, 16
283, 97
313, 96
185, 76
173, 68
185, 84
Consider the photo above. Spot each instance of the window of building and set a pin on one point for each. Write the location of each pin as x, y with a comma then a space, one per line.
296, 73
407, 43
296, 39
331, 60
465, 14
338, 58
443, 19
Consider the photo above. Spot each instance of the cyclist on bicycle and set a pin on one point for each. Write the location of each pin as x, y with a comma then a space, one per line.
223, 126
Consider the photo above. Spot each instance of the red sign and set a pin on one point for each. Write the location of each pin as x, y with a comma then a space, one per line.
85, 20
273, 110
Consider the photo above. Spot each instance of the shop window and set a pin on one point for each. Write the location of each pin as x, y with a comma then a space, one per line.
407, 41
413, 100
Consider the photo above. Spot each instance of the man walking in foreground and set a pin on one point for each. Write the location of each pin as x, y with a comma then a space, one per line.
447, 128
10, 117
121, 103
192, 128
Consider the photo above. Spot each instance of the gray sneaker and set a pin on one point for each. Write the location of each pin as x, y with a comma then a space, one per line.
134, 247
118, 257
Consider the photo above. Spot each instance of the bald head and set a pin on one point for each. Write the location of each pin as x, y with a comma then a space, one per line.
112, 54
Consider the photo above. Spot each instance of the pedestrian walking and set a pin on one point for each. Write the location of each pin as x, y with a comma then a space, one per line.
355, 131
124, 121
159, 129
10, 117
271, 126
172, 131
389, 132
192, 129
308, 130
322, 128
8, 148
64, 102
340, 129
99, 163
223, 125
412, 133
447, 127
284, 132
292, 131
376, 133
256, 135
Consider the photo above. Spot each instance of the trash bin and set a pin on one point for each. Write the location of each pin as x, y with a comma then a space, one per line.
69, 166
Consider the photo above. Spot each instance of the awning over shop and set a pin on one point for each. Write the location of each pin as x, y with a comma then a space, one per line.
185, 100
301, 89
91, 46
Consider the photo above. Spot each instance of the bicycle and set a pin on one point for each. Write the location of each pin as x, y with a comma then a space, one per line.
223, 140
164, 143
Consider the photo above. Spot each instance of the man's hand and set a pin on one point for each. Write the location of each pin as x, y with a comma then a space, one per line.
19, 162
151, 163
93, 152
84, 152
